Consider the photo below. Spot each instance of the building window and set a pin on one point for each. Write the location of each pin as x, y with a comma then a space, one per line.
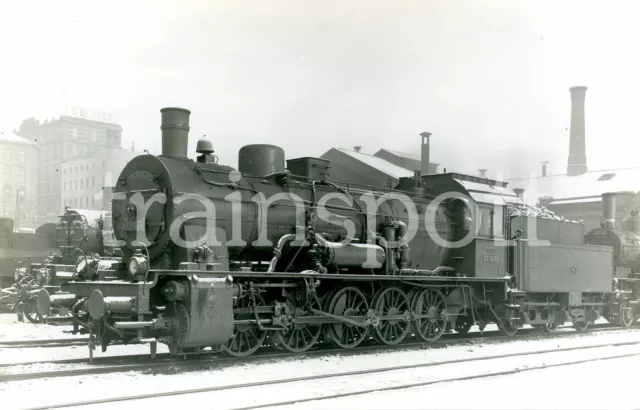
21, 174
93, 181
7, 172
6, 193
104, 164
7, 154
81, 185
22, 194
86, 182
81, 168
93, 202
76, 183
22, 156
93, 165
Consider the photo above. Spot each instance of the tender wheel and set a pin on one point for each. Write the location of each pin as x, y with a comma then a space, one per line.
391, 302
299, 337
432, 305
547, 327
246, 339
627, 315
580, 325
463, 324
349, 301
506, 325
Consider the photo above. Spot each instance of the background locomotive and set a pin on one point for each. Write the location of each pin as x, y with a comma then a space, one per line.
285, 254
78, 232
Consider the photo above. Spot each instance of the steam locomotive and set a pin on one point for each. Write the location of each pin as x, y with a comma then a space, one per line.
78, 232
235, 259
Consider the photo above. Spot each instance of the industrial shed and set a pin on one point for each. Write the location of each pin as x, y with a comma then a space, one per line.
579, 197
365, 169
404, 160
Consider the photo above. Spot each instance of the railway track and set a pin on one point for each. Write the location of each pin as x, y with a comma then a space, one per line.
113, 364
4, 344
380, 370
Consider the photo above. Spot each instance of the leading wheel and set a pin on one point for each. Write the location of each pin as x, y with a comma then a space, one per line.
389, 302
299, 337
349, 301
431, 304
247, 338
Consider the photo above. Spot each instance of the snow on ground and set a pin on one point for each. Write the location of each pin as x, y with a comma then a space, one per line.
11, 329
608, 384
20, 394
493, 395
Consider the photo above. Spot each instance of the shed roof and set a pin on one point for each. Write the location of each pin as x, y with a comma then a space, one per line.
16, 139
402, 154
380, 164
586, 187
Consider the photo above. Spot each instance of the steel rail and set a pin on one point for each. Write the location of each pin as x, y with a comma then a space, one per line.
214, 359
321, 348
41, 342
356, 373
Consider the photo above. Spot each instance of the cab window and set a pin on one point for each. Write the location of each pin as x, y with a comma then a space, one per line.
498, 220
491, 220
485, 221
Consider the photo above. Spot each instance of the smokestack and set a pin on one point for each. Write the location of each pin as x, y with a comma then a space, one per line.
424, 159
577, 151
357, 148
609, 210
175, 132
483, 172
544, 168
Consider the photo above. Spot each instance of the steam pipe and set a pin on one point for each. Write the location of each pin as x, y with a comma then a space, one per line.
277, 251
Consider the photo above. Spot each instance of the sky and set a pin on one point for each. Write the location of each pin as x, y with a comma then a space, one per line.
489, 79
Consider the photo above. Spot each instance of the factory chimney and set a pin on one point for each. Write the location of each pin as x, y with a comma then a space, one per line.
424, 158
483, 172
175, 132
544, 168
609, 210
577, 164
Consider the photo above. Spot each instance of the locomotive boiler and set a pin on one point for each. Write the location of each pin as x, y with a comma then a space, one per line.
225, 258
257, 207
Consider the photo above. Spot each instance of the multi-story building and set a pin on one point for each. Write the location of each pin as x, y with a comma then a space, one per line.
78, 135
18, 178
83, 179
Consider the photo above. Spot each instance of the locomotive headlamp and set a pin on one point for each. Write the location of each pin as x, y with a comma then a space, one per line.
138, 266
